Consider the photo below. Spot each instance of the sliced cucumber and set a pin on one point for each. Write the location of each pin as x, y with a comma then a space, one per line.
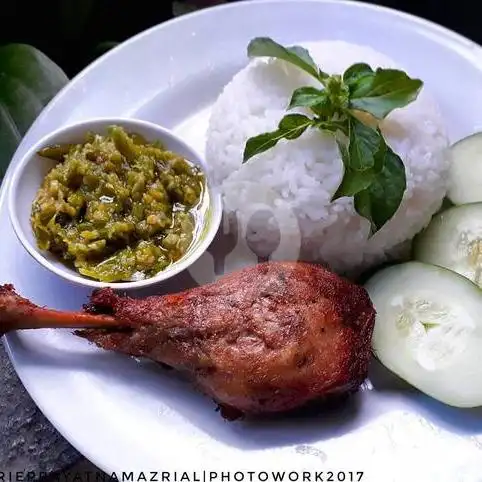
465, 173
428, 330
453, 240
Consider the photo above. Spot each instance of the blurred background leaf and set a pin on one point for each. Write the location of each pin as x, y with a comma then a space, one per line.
28, 81
42, 44
74, 32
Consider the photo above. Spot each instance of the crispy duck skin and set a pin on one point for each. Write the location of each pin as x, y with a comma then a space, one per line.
266, 339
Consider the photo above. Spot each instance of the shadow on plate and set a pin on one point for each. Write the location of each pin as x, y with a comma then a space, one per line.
458, 420
175, 393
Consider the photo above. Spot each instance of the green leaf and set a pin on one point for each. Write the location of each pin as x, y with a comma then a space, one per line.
298, 56
364, 145
338, 93
291, 127
259, 144
28, 81
380, 201
353, 181
307, 97
363, 206
356, 72
381, 155
383, 91
104, 47
345, 156
332, 125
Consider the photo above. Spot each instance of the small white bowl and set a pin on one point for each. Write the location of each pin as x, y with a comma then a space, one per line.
30, 171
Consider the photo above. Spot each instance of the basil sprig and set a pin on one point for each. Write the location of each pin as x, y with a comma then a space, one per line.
349, 106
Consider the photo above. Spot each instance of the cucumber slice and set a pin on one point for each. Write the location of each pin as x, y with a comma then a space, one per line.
465, 172
453, 240
428, 330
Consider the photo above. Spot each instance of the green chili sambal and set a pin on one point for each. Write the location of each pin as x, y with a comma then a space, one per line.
116, 207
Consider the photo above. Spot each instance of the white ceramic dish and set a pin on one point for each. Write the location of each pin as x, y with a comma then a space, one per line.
31, 169
130, 416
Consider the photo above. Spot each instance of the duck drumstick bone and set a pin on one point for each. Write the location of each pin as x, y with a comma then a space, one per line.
17, 313
269, 338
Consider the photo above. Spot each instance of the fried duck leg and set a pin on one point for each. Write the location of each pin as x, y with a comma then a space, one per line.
267, 339
17, 313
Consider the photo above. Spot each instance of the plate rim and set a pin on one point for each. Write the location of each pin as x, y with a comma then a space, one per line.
442, 33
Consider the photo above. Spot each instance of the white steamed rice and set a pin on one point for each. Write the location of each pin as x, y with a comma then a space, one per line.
295, 180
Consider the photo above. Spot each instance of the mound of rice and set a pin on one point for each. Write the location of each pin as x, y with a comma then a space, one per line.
282, 197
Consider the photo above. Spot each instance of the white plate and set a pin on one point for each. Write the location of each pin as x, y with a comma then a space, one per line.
128, 416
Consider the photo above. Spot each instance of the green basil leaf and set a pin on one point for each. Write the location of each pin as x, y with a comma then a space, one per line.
363, 206
324, 109
338, 93
298, 56
364, 145
104, 47
259, 144
380, 156
386, 90
307, 97
380, 201
345, 156
291, 127
28, 81
356, 72
305, 56
332, 126
320, 104
353, 182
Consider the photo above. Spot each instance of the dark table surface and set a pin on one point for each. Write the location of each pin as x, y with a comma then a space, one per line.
28, 442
